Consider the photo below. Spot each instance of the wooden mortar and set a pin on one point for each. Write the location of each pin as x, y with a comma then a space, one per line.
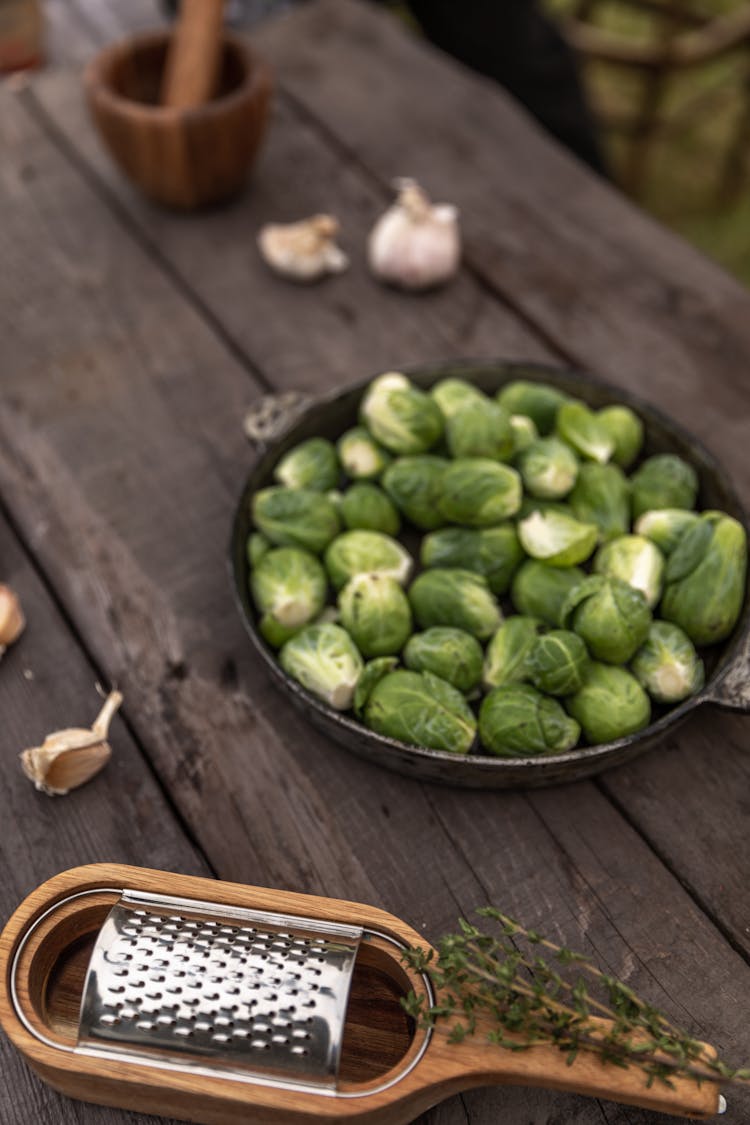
181, 157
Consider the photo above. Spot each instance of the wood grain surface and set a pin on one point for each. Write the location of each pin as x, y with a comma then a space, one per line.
134, 341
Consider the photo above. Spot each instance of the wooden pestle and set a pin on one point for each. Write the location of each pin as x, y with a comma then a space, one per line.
194, 57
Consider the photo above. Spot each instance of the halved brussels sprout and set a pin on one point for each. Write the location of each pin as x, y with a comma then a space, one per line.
360, 455
517, 720
363, 552
372, 674
508, 650
540, 591
602, 496
399, 416
421, 710
451, 654
626, 430
325, 660
637, 561
257, 546
665, 526
493, 552
480, 428
667, 665
415, 485
705, 578
295, 517
312, 464
611, 617
451, 394
289, 585
582, 429
375, 612
524, 432
539, 401
611, 704
367, 507
479, 492
663, 481
557, 539
455, 597
548, 468
558, 662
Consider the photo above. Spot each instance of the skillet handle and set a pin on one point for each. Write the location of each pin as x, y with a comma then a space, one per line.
271, 415
733, 688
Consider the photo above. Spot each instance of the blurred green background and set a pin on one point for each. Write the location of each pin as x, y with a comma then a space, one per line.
697, 175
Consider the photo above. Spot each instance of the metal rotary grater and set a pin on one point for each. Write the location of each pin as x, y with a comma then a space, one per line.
194, 983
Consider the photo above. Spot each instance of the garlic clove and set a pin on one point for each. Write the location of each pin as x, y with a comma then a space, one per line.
69, 758
303, 251
12, 620
415, 244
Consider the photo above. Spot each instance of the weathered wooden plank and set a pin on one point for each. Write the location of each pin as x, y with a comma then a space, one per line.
119, 457
366, 321
47, 682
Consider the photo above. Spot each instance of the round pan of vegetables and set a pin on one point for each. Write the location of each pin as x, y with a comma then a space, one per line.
491, 574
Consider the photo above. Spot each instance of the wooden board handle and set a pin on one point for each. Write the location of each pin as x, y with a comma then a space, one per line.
194, 55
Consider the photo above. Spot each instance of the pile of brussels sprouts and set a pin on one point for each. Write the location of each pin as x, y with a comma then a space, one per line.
514, 496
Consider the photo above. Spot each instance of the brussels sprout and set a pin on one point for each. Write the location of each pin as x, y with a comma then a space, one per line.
366, 506
538, 401
548, 468
524, 432
667, 665
375, 612
611, 617
288, 584
363, 552
455, 597
451, 654
480, 428
558, 539
493, 552
451, 394
400, 417
360, 455
313, 464
582, 429
602, 496
558, 662
611, 704
479, 492
507, 652
516, 719
422, 710
705, 579
626, 430
257, 547
540, 591
415, 484
663, 481
324, 659
372, 674
295, 517
665, 526
635, 560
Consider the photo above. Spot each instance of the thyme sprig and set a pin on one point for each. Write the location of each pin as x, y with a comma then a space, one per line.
528, 1000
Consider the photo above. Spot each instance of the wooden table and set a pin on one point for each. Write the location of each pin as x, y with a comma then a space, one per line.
133, 342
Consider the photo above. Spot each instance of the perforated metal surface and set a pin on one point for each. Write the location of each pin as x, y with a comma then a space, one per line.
258, 993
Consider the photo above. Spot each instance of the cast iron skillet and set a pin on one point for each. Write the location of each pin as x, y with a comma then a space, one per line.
283, 421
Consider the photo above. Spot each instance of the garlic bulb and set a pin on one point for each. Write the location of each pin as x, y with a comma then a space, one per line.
12, 620
415, 244
68, 758
303, 251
